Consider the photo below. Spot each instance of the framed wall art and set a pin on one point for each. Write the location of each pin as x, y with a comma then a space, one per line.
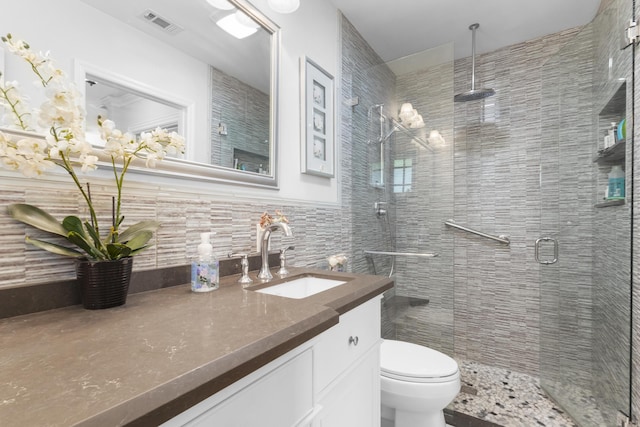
318, 139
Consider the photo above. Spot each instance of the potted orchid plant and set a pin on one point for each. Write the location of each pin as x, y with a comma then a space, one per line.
61, 118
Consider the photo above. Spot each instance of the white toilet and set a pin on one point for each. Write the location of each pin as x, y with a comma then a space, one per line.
417, 383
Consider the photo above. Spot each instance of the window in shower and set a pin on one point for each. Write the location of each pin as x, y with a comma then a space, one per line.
376, 175
402, 175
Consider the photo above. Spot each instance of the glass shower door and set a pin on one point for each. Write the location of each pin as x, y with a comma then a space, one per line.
584, 250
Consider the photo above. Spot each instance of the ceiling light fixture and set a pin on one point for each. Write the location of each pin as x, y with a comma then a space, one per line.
232, 25
284, 6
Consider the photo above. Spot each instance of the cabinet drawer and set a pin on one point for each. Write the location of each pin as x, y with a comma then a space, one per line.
357, 331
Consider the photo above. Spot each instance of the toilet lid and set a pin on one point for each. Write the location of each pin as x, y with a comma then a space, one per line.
412, 362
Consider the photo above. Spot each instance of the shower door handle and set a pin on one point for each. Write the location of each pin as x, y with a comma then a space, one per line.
555, 250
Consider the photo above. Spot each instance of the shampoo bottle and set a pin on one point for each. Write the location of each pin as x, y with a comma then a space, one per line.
204, 269
616, 183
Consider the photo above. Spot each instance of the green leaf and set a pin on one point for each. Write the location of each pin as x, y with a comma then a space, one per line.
73, 223
118, 250
52, 247
140, 239
130, 232
94, 236
37, 218
84, 244
140, 249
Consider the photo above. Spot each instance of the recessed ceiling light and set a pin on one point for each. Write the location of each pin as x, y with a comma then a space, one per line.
233, 26
221, 4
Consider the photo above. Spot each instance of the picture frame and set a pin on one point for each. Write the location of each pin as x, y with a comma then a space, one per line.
318, 114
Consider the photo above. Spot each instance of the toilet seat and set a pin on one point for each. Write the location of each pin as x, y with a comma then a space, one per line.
410, 362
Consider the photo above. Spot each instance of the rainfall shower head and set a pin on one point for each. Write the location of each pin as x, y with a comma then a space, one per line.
473, 94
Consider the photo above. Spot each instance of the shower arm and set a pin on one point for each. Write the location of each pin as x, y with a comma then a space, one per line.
473, 28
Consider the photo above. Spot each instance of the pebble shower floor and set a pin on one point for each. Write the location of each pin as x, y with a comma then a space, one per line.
506, 398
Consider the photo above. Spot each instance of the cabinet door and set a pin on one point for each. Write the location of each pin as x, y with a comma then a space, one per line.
346, 342
281, 398
354, 400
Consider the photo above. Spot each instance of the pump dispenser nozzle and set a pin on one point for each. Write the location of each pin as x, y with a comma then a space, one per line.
205, 248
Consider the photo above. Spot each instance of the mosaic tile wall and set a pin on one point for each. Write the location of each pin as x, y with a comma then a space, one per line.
635, 367
183, 215
498, 154
420, 214
612, 227
364, 77
246, 117
567, 214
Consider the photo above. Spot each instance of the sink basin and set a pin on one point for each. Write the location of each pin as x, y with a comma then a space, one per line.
301, 287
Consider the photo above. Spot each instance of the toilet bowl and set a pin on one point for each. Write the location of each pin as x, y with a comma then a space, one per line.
417, 383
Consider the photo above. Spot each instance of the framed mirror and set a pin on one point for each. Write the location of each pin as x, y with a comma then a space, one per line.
235, 138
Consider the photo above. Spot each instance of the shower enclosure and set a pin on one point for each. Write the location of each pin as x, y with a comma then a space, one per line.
586, 293
526, 162
403, 192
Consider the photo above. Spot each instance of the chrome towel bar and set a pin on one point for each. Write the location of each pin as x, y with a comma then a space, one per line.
394, 254
501, 238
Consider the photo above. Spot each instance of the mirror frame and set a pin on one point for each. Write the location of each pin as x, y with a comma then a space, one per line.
192, 170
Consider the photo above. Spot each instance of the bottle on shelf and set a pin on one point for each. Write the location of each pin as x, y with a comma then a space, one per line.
610, 137
615, 190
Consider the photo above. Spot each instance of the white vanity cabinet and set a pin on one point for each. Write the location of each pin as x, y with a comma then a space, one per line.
279, 394
331, 381
347, 370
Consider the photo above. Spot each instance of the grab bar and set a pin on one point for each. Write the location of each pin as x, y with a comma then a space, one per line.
501, 238
424, 255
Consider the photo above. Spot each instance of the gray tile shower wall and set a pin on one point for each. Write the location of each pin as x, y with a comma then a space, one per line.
364, 76
246, 119
420, 213
612, 226
498, 152
635, 361
567, 214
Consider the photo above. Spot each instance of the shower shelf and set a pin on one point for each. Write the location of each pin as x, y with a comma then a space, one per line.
609, 203
612, 155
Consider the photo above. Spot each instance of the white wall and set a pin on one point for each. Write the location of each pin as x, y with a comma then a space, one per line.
67, 29
311, 31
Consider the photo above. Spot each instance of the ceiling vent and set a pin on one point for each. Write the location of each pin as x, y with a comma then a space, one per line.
162, 23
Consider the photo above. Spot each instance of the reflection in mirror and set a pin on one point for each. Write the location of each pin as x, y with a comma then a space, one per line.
132, 111
240, 119
239, 140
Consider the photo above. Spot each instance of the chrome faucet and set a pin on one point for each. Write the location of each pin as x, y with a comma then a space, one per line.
265, 274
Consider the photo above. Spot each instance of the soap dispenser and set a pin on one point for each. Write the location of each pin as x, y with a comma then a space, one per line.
204, 269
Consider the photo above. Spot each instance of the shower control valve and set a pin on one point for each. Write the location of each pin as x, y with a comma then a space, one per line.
380, 208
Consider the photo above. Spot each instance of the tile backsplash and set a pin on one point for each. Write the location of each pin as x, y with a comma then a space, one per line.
183, 216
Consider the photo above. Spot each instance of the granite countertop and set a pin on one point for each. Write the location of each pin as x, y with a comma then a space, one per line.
162, 352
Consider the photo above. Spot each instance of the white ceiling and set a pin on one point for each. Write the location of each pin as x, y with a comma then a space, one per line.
397, 28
